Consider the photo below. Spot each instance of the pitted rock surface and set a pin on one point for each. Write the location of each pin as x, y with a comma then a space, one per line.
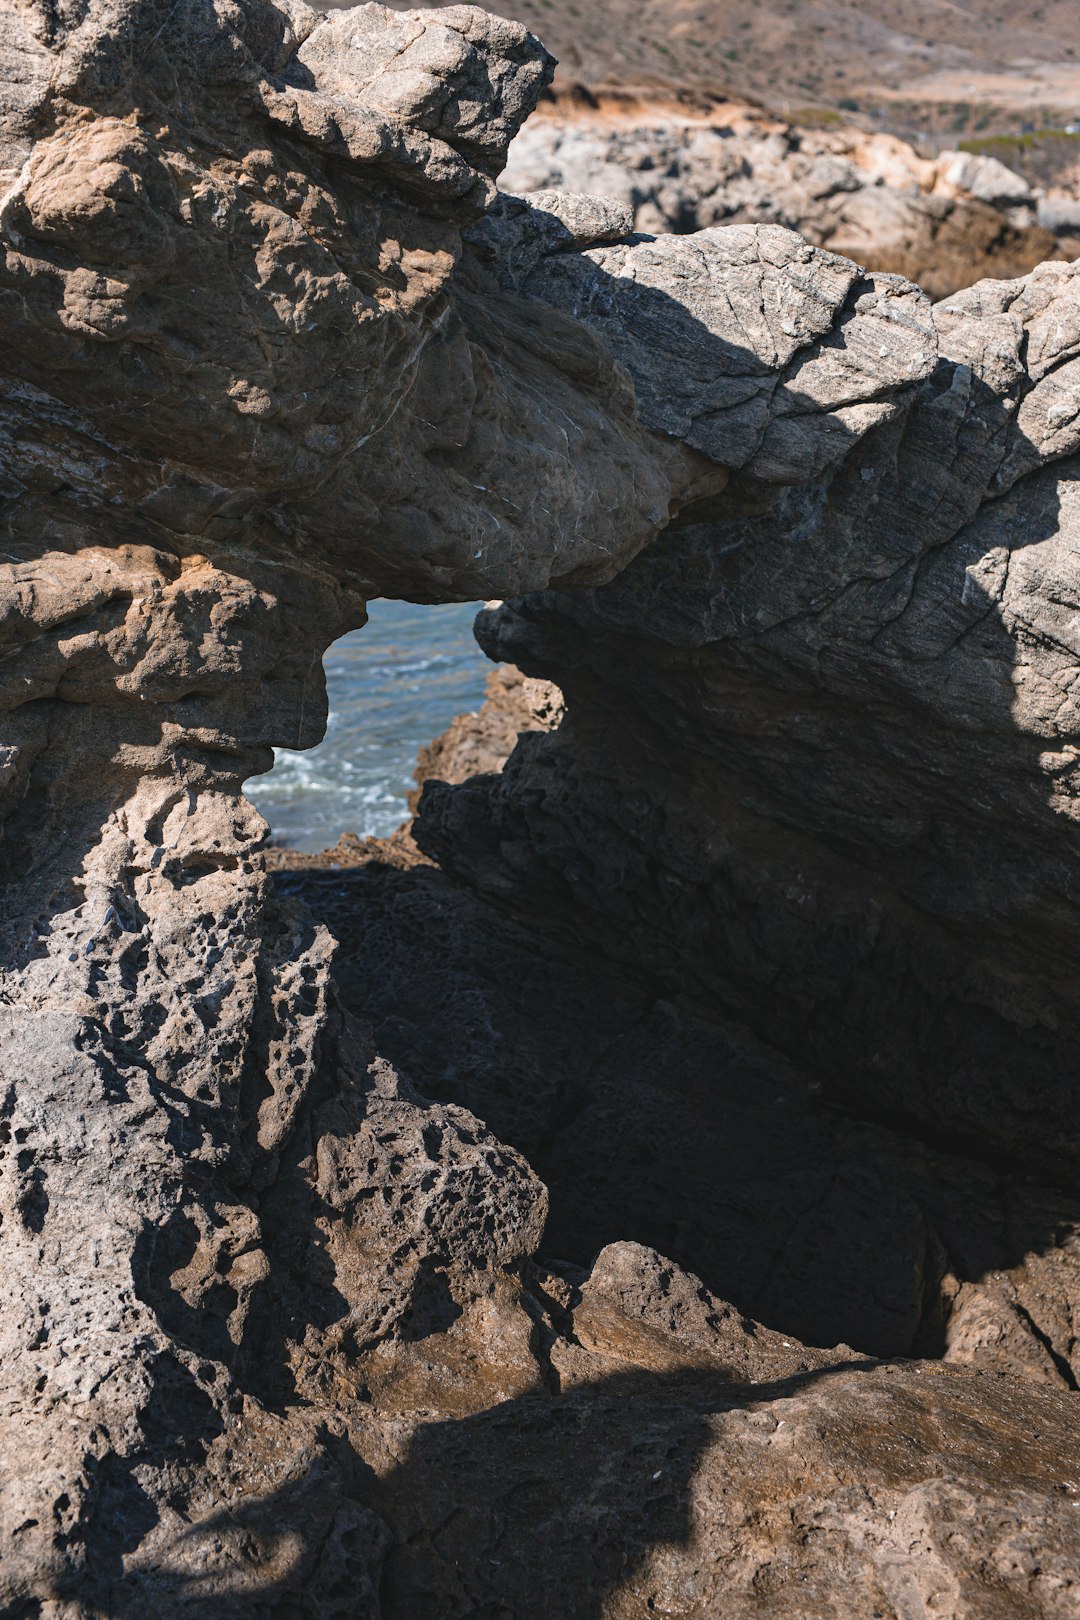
277, 1342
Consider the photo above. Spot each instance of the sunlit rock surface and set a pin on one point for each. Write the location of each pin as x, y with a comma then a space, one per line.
943, 221
276, 1341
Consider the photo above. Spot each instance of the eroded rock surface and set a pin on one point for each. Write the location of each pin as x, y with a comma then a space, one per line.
943, 222
646, 1116
479, 744
276, 1341
856, 687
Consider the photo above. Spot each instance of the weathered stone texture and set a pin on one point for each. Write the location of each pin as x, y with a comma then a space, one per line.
942, 221
835, 777
276, 1342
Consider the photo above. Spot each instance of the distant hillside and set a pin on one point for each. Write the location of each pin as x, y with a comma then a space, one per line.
933, 65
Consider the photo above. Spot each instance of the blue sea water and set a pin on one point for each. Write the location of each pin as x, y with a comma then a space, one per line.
393, 686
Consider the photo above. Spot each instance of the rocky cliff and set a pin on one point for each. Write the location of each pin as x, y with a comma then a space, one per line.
277, 1340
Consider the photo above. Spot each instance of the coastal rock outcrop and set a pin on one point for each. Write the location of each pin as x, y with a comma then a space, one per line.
811, 795
214, 1193
277, 1341
943, 222
480, 744
858, 686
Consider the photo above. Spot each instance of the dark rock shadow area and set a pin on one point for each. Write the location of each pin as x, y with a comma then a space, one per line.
649, 1122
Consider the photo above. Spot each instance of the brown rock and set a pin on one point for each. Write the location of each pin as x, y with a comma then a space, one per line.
480, 744
275, 1341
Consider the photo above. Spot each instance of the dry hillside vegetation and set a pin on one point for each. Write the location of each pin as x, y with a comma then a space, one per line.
916, 63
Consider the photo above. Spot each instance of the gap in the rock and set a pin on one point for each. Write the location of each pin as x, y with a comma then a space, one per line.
393, 686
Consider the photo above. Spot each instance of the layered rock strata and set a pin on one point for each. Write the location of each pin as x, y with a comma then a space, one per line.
858, 686
276, 1341
852, 694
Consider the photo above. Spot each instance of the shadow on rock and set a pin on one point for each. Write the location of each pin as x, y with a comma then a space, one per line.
565, 1507
854, 1490
648, 1121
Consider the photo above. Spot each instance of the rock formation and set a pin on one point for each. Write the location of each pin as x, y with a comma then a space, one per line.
869, 660
277, 1341
943, 222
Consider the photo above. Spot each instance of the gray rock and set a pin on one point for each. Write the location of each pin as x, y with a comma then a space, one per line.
747, 344
1060, 215
275, 1342
869, 197
843, 674
985, 178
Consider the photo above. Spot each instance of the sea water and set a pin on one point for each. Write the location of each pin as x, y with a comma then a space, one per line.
392, 686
